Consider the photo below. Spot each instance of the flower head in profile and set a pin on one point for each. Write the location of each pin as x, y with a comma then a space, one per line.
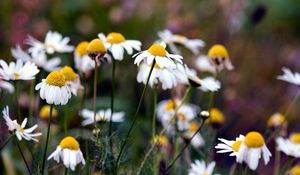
276, 120
116, 44
230, 146
203, 64
251, 150
101, 115
193, 45
197, 140
200, 167
20, 130
96, 49
45, 112
54, 42
17, 70
216, 118
219, 57
289, 76
72, 79
159, 54
54, 89
82, 61
289, 146
69, 152
6, 86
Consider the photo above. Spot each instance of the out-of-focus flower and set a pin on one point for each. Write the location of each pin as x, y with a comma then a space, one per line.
6, 85
204, 65
69, 152
197, 140
251, 150
54, 42
219, 57
161, 140
165, 76
45, 112
96, 49
289, 77
116, 44
72, 79
295, 170
291, 146
216, 118
101, 115
20, 130
230, 146
276, 120
193, 45
158, 53
200, 167
18, 71
40, 59
54, 89
82, 61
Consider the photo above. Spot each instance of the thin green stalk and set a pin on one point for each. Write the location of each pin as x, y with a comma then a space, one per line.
246, 171
66, 171
241, 169
154, 110
287, 165
6, 142
135, 117
287, 112
94, 96
47, 140
112, 101
23, 157
87, 158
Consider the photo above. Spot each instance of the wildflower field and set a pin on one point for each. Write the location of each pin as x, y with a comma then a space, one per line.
109, 87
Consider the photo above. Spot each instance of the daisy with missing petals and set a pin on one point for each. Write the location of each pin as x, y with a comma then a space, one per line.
72, 79
290, 146
289, 76
219, 57
204, 65
69, 152
20, 130
54, 42
96, 49
40, 59
230, 146
198, 140
54, 89
158, 53
200, 167
116, 44
101, 115
6, 85
18, 70
216, 118
193, 45
82, 61
251, 150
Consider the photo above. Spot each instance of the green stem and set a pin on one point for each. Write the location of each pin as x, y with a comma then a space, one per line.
112, 101
6, 142
154, 110
287, 165
287, 112
66, 171
23, 157
47, 140
135, 117
246, 170
94, 97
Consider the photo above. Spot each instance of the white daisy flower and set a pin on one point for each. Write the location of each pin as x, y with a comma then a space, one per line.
17, 70
200, 167
219, 57
96, 49
6, 85
198, 140
20, 130
251, 150
69, 152
54, 89
193, 45
158, 53
40, 59
54, 42
291, 146
116, 44
82, 61
72, 79
101, 115
204, 65
230, 146
289, 76
165, 76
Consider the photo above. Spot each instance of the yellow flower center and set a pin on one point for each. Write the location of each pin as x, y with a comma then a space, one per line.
45, 112
217, 51
69, 143
115, 38
69, 73
56, 78
157, 50
161, 140
275, 120
194, 126
295, 170
16, 75
81, 48
171, 105
22, 130
236, 146
181, 117
254, 140
295, 138
96, 46
216, 116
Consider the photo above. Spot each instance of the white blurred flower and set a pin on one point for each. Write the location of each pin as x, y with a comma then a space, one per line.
72, 79
17, 70
230, 146
101, 115
82, 61
200, 168
6, 85
289, 76
291, 146
204, 65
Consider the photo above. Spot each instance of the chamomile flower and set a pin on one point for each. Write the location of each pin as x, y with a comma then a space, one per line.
45, 112
82, 61
230, 146
69, 152
161, 140
158, 53
163, 76
290, 146
20, 130
72, 79
198, 140
216, 118
276, 120
39, 58
289, 76
6, 85
54, 89
54, 42
193, 45
200, 167
17, 70
251, 150
219, 57
116, 44
204, 65
101, 115
96, 49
